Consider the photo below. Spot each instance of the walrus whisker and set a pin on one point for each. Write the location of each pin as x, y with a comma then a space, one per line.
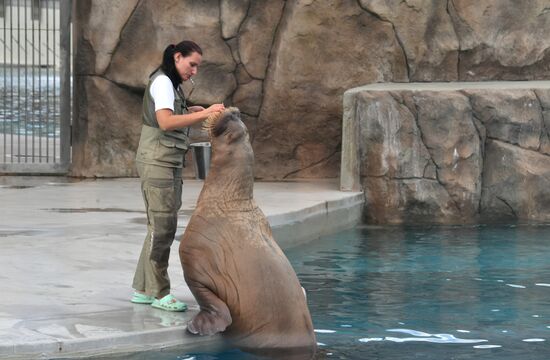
213, 126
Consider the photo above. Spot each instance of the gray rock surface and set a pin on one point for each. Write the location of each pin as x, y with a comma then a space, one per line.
232, 14
302, 103
516, 184
502, 39
107, 133
454, 156
106, 21
426, 33
287, 63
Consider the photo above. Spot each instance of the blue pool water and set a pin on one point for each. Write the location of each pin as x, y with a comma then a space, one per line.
479, 292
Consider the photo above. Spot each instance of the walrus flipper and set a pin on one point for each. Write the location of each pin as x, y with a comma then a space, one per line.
214, 316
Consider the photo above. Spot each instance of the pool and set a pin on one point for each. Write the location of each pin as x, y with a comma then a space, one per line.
441, 292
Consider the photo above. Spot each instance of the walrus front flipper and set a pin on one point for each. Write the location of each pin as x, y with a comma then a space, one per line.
214, 316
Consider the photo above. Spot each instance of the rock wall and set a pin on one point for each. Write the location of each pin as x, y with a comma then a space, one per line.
458, 154
286, 64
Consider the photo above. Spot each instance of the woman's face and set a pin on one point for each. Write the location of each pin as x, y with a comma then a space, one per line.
187, 66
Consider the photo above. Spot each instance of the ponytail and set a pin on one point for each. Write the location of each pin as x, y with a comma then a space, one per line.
168, 65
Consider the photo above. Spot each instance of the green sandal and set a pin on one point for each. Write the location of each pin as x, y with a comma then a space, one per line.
169, 303
139, 298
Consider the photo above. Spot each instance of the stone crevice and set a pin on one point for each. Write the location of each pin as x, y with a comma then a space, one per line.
508, 72
508, 205
397, 38
412, 7
120, 35
240, 24
482, 146
230, 96
315, 163
544, 12
399, 178
539, 100
543, 130
516, 145
238, 43
268, 66
421, 136
481, 138
450, 3
437, 167
134, 90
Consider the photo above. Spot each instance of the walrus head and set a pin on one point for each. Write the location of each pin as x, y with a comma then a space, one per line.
231, 173
230, 141
227, 123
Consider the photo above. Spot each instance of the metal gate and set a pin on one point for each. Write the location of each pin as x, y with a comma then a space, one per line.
35, 82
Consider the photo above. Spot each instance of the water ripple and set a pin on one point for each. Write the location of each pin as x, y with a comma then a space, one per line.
487, 346
534, 340
420, 336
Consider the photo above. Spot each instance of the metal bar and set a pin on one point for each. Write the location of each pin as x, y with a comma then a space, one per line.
26, 88
33, 94
54, 32
40, 124
4, 107
47, 81
18, 83
11, 79
65, 81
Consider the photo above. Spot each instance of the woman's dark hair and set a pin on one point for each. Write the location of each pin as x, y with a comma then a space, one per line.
168, 66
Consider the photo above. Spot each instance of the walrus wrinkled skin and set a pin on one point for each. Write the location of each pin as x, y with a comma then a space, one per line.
244, 284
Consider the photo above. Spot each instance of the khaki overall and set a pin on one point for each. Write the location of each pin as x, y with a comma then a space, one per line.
160, 158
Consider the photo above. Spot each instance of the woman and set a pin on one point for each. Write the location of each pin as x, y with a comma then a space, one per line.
160, 158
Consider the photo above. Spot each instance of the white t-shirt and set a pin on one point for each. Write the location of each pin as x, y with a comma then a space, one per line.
162, 92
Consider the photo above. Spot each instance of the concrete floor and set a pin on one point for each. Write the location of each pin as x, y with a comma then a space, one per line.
69, 249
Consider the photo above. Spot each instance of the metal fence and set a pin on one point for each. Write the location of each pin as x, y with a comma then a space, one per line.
35, 93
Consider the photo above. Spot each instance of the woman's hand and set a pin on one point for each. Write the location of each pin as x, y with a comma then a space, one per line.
168, 121
196, 108
215, 108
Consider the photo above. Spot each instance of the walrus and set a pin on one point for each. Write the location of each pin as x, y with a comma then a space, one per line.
241, 279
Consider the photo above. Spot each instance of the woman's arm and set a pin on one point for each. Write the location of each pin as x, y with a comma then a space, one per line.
168, 121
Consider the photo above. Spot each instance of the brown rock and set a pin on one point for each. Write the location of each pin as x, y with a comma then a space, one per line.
426, 33
232, 15
544, 100
107, 130
105, 21
248, 97
420, 156
156, 24
502, 39
310, 52
241, 75
390, 138
449, 133
515, 183
257, 33
409, 201
315, 61
513, 116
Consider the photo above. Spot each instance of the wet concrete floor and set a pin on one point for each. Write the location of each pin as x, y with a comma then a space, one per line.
69, 249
